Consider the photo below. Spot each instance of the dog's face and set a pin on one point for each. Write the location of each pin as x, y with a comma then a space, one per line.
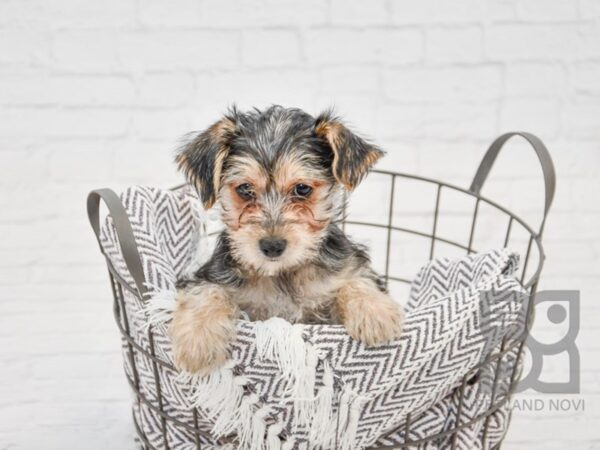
279, 175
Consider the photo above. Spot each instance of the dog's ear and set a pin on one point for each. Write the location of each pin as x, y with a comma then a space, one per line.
352, 155
201, 159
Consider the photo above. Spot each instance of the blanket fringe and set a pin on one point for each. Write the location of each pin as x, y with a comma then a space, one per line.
221, 394
322, 431
158, 310
273, 441
348, 415
279, 341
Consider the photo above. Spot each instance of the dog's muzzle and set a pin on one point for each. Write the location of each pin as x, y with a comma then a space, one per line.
272, 246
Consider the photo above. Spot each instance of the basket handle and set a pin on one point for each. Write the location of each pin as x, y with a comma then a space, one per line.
543, 155
122, 226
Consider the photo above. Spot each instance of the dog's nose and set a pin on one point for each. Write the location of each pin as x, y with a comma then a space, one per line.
272, 246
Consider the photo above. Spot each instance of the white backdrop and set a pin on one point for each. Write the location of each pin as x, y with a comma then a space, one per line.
97, 94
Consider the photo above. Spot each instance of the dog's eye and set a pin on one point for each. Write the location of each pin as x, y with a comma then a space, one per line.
302, 190
245, 191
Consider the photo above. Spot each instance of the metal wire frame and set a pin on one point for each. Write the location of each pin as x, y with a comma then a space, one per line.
133, 349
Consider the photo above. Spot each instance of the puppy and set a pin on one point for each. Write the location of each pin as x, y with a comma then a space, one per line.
279, 175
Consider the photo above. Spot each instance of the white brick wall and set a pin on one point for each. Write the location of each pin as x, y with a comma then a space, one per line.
98, 93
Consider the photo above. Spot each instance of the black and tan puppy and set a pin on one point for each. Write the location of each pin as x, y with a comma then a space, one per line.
279, 176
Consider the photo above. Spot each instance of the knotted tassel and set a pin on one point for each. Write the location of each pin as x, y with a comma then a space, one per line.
273, 440
244, 421
322, 431
350, 407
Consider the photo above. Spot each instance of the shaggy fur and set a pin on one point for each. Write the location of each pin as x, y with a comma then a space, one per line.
279, 175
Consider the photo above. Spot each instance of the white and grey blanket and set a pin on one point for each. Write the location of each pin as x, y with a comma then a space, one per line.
313, 387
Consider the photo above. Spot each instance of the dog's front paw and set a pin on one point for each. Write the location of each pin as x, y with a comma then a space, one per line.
372, 317
202, 329
374, 326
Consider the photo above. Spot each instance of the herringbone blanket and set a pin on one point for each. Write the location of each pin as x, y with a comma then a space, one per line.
313, 387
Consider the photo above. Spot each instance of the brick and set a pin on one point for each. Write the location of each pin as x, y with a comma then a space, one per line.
162, 124
583, 120
20, 276
85, 50
538, 116
535, 79
581, 158
15, 211
345, 12
19, 14
401, 155
165, 89
454, 44
79, 160
427, 11
23, 88
585, 194
466, 157
91, 90
233, 14
25, 122
531, 42
249, 88
561, 227
60, 274
18, 258
501, 10
17, 166
168, 50
175, 13
328, 47
349, 79
589, 9
116, 435
22, 46
397, 46
17, 143
229, 13
589, 41
88, 122
270, 48
585, 79
76, 14
440, 121
547, 10
146, 161
445, 84
292, 13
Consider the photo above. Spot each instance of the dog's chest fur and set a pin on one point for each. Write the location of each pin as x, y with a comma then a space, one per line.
306, 295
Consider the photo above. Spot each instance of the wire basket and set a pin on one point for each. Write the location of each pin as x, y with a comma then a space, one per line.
402, 236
